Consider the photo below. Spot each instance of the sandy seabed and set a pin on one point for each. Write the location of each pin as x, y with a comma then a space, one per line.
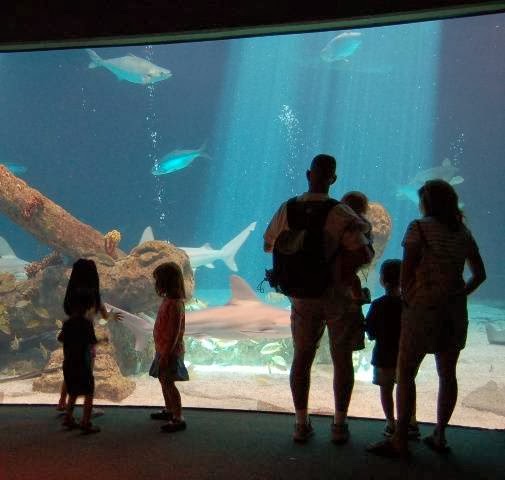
479, 363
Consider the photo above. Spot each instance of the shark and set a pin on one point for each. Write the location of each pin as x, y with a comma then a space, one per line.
245, 316
10, 263
130, 68
446, 171
205, 255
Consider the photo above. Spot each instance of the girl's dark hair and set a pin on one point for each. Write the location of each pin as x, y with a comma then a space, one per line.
84, 276
390, 272
358, 201
440, 201
80, 301
169, 280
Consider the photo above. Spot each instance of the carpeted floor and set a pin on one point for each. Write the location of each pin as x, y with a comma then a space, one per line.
225, 445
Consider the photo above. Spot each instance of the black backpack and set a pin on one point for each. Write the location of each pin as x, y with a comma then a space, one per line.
300, 267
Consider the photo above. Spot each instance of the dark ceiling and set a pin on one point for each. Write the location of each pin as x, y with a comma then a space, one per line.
29, 24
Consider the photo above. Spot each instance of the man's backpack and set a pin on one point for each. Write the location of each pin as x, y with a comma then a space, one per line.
300, 267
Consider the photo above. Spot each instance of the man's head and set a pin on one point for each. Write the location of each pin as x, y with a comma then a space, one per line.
322, 173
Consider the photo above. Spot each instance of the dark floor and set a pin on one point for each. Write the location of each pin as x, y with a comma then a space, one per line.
225, 445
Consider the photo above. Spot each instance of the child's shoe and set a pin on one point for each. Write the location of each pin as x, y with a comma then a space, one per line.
389, 431
162, 415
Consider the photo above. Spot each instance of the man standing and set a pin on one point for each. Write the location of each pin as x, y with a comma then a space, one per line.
309, 316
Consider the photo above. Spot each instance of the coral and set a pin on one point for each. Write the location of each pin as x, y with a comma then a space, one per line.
31, 206
33, 268
111, 240
7, 282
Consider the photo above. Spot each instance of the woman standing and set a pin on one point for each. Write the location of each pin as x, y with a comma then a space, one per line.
434, 318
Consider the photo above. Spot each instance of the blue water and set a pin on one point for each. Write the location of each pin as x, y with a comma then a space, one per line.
408, 97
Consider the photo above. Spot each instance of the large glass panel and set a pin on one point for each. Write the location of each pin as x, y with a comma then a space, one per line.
197, 144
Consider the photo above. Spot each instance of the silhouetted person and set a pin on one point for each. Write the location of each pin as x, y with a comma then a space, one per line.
434, 317
310, 316
383, 324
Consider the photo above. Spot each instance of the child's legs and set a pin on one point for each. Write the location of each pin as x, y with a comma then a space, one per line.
387, 402
63, 395
87, 408
172, 397
70, 406
166, 394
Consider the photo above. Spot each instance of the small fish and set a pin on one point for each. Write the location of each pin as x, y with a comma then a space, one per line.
341, 47
15, 344
41, 312
44, 352
278, 360
225, 343
130, 68
22, 303
32, 323
195, 304
276, 297
15, 168
102, 322
5, 326
207, 344
58, 323
270, 348
177, 160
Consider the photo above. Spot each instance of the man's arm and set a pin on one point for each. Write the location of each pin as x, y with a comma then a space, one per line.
278, 224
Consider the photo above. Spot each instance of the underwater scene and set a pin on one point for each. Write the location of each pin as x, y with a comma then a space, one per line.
135, 155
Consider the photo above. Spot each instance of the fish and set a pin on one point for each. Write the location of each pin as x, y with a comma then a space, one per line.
276, 297
224, 343
195, 304
341, 47
177, 160
10, 263
270, 348
206, 255
131, 68
279, 361
446, 171
243, 317
22, 303
43, 351
15, 168
14, 345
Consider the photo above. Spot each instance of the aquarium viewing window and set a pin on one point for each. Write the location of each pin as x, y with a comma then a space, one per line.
130, 155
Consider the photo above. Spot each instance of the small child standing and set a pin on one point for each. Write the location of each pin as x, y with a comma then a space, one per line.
383, 324
168, 364
84, 275
78, 337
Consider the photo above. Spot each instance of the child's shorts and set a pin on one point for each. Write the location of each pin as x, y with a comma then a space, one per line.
175, 371
384, 377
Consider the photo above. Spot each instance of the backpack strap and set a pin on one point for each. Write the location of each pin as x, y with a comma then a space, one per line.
296, 212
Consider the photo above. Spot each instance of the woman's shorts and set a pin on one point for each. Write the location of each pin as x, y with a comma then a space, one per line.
384, 377
438, 329
175, 371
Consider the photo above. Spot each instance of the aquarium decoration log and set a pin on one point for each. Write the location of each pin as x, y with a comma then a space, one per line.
47, 221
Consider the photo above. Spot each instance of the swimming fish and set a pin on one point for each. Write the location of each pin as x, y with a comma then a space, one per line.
270, 348
130, 68
15, 168
15, 343
43, 351
341, 47
176, 160
446, 171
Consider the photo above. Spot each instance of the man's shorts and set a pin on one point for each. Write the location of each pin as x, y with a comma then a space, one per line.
384, 377
310, 316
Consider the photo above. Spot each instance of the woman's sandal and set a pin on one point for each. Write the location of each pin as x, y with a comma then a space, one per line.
89, 428
436, 446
